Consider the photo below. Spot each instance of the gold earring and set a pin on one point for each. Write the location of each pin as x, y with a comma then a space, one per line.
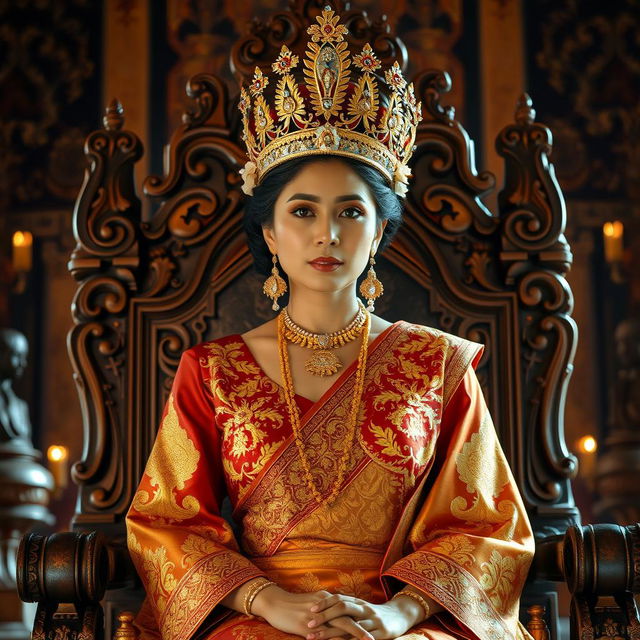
274, 286
371, 288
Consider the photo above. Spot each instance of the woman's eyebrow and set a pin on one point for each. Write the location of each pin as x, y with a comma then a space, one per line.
304, 196
351, 196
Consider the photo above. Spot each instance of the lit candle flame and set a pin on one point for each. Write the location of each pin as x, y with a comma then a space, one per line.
587, 444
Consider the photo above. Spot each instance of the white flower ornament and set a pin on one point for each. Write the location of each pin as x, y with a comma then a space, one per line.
249, 174
401, 179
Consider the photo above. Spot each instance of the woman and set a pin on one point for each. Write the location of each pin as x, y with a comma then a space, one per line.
370, 493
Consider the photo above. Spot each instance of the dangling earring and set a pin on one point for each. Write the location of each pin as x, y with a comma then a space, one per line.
274, 286
371, 288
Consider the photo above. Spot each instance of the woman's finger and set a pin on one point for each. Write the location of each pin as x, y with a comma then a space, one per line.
340, 608
351, 627
328, 632
329, 601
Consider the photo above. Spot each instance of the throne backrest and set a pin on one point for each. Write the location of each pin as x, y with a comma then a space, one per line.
150, 288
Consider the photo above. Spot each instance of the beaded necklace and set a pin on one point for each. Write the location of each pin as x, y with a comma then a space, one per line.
324, 362
294, 412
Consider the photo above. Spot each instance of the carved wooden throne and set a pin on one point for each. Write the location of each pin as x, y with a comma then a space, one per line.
150, 288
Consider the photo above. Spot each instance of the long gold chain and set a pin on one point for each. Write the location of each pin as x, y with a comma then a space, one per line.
294, 412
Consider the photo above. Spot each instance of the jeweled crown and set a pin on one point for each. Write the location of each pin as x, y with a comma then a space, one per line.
324, 110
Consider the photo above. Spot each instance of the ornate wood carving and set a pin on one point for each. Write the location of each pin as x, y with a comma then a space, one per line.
535, 257
149, 289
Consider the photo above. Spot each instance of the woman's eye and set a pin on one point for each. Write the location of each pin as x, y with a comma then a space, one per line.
302, 212
353, 212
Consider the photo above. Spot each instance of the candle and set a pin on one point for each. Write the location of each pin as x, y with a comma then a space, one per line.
587, 446
613, 242
22, 248
57, 456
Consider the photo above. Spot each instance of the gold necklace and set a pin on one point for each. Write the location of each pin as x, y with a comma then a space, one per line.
294, 412
324, 362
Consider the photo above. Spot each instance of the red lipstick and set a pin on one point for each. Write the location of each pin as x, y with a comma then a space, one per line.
325, 263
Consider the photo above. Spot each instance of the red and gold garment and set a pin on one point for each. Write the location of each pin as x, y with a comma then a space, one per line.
427, 500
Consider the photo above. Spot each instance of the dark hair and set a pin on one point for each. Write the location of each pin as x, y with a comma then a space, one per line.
258, 211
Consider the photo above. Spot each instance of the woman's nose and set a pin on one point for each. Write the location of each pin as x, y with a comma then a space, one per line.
327, 233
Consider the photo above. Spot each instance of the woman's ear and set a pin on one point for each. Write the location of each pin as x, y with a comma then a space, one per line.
269, 238
379, 231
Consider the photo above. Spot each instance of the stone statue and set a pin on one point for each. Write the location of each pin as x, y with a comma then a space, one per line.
14, 412
25, 485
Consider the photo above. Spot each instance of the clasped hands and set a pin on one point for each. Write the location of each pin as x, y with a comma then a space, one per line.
321, 615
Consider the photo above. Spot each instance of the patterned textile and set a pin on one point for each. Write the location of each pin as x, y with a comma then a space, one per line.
428, 498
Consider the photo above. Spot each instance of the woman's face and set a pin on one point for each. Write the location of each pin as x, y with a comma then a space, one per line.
325, 212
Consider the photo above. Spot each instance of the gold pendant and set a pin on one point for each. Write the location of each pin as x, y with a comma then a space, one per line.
323, 363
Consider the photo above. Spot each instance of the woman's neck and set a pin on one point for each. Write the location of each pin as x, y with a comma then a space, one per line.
322, 312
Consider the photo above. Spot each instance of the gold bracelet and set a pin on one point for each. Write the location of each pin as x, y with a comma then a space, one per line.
253, 591
418, 598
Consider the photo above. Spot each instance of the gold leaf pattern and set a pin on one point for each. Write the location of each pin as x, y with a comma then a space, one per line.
195, 548
288, 101
173, 460
364, 102
482, 468
497, 578
354, 584
456, 547
309, 582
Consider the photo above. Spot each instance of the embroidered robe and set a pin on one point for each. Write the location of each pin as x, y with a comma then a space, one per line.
428, 498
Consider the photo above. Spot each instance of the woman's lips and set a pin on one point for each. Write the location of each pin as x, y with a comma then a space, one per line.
329, 264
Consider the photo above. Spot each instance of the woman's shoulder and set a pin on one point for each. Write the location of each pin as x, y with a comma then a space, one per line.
208, 352
424, 333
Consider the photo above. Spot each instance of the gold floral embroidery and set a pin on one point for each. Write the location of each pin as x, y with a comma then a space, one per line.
354, 584
459, 548
195, 548
481, 467
200, 590
252, 426
159, 570
459, 592
356, 513
172, 462
309, 582
497, 578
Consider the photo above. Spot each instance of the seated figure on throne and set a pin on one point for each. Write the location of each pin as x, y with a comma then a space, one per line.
369, 494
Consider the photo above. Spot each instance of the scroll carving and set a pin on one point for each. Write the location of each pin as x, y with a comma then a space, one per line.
535, 257
106, 263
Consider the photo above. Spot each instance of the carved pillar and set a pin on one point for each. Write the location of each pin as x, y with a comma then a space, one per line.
25, 485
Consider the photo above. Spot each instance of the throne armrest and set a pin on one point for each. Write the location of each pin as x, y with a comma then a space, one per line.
600, 564
67, 574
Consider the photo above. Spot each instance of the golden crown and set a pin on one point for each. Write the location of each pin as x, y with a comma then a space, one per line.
327, 112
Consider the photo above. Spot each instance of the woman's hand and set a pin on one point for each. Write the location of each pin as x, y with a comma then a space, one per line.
382, 621
291, 613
